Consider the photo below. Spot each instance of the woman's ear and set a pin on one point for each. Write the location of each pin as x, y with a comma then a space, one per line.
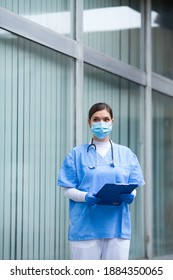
89, 122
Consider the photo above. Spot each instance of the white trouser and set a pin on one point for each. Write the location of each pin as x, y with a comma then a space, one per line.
100, 249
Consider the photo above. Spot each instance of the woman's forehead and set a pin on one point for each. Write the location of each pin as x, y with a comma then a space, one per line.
102, 113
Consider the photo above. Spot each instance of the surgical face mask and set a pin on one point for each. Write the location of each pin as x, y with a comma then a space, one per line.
101, 129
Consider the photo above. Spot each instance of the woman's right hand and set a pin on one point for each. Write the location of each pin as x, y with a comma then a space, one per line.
91, 200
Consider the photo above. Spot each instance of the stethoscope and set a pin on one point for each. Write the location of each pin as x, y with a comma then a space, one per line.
112, 163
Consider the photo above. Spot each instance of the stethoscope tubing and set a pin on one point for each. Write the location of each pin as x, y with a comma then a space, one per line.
94, 146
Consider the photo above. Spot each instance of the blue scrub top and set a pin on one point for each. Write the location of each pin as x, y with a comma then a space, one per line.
99, 221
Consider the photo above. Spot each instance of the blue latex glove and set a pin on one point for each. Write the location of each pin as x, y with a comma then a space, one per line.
127, 198
91, 200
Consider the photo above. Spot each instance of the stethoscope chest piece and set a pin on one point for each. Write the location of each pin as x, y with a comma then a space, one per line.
112, 163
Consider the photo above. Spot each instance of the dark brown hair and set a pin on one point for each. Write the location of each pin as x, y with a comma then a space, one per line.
99, 107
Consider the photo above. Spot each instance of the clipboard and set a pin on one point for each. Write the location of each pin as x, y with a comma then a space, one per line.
110, 193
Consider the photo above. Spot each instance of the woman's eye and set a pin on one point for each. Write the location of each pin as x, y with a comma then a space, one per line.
107, 120
95, 120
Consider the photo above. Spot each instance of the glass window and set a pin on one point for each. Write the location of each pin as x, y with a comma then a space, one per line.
34, 100
53, 14
114, 28
126, 100
162, 39
163, 175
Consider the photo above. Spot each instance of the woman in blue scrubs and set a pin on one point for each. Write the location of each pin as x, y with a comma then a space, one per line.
99, 231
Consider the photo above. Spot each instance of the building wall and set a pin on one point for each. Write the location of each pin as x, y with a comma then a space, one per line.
57, 59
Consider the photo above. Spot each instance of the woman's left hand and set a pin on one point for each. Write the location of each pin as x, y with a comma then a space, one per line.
128, 197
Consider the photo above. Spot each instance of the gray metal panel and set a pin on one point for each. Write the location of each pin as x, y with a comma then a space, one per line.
79, 72
148, 136
114, 66
35, 32
162, 84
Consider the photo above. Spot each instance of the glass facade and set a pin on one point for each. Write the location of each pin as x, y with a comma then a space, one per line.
162, 39
119, 52
163, 176
125, 98
53, 14
114, 28
33, 94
